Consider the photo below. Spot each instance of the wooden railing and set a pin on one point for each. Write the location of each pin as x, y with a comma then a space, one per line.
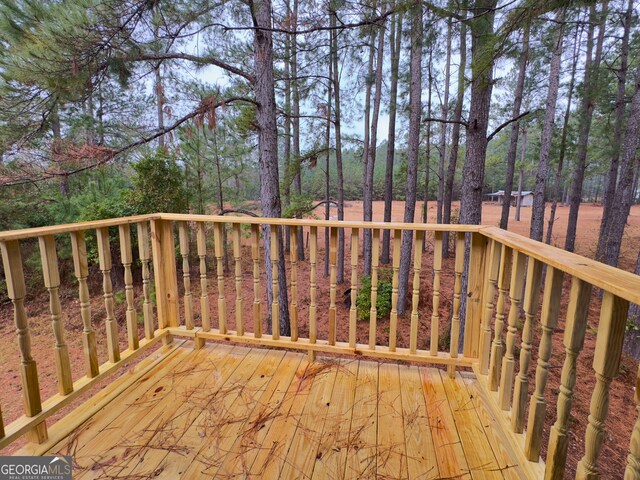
507, 274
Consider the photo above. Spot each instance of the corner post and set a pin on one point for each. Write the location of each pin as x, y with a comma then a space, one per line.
164, 273
475, 287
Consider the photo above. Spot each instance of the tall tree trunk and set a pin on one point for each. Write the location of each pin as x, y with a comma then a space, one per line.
443, 126
591, 74
427, 149
557, 188
482, 59
537, 210
327, 174
338, 142
455, 132
413, 151
515, 128
523, 157
268, 148
286, 188
624, 190
632, 340
158, 87
395, 43
216, 155
371, 161
612, 175
296, 120
366, 198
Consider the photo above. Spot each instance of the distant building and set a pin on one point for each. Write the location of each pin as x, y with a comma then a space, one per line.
526, 198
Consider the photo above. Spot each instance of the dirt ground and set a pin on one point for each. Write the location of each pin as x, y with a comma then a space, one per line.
622, 404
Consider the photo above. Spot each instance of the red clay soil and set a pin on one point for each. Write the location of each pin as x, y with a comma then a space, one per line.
622, 410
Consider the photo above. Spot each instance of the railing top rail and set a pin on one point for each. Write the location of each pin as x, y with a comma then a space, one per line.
320, 223
619, 282
25, 233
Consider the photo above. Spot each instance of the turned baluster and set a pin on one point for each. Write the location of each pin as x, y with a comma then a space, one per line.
606, 363
201, 243
238, 277
537, 410
219, 252
353, 310
255, 256
145, 258
495, 364
126, 257
333, 255
183, 234
51, 276
293, 309
415, 298
275, 305
81, 269
104, 256
393, 318
435, 314
531, 297
373, 313
16, 290
457, 292
632, 472
313, 287
491, 270
574, 332
508, 362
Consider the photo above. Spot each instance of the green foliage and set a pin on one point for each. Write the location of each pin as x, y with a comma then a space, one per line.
383, 303
299, 206
158, 185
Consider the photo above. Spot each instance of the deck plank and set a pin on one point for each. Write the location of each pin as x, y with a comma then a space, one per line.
361, 449
421, 454
303, 450
275, 444
391, 451
134, 430
451, 460
480, 458
332, 451
202, 416
251, 437
240, 412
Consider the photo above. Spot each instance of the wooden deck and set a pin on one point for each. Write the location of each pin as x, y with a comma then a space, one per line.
228, 411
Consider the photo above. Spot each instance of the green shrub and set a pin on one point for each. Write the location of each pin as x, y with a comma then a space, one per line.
383, 303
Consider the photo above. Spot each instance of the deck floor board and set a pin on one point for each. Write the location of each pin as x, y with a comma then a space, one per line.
240, 412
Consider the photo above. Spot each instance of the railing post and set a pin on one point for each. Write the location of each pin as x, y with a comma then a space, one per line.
538, 406
145, 259
313, 288
475, 290
531, 297
574, 332
495, 363
435, 311
183, 234
415, 297
81, 269
454, 339
606, 362
353, 310
393, 317
124, 231
333, 258
104, 255
16, 289
164, 272
492, 268
237, 257
508, 362
51, 274
201, 244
